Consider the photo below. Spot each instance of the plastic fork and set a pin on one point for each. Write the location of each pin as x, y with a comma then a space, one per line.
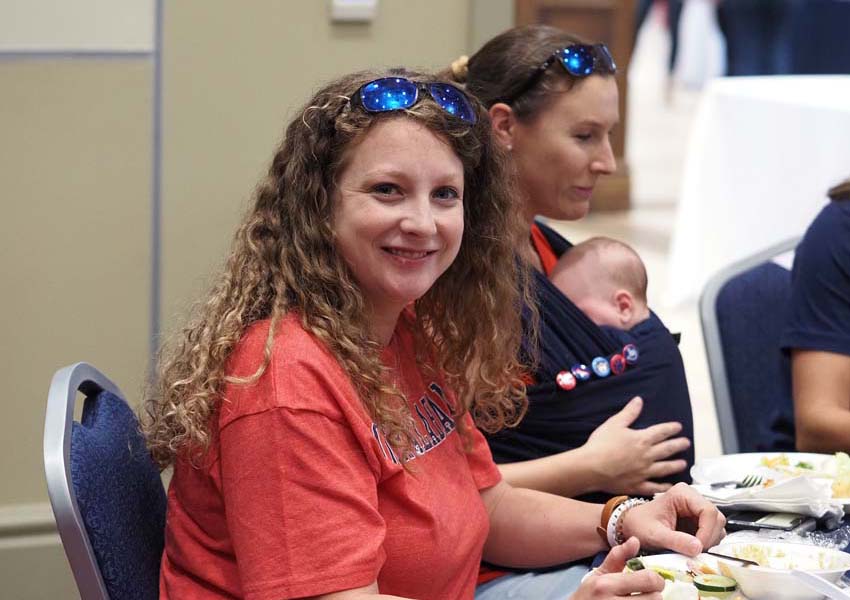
747, 482
821, 585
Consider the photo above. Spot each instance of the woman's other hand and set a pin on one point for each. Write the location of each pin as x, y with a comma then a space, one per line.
655, 523
609, 581
626, 461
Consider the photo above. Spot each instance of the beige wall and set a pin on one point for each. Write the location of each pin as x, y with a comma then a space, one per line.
75, 167
75, 161
235, 78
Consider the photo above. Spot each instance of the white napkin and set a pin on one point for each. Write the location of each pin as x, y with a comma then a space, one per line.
798, 495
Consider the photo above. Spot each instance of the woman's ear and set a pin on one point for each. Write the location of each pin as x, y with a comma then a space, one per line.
503, 121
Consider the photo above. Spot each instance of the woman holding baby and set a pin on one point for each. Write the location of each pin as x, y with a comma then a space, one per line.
553, 103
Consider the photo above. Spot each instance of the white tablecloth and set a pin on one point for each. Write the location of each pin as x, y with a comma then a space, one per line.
762, 153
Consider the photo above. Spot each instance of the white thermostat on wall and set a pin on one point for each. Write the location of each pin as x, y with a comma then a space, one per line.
353, 11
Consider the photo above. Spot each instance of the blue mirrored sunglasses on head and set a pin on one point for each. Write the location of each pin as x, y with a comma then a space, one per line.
398, 93
579, 60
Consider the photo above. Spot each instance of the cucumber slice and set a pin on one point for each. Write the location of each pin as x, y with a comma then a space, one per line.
715, 583
635, 564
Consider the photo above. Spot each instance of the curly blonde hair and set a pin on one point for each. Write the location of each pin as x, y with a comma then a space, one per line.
283, 259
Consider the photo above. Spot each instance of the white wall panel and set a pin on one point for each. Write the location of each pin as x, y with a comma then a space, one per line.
77, 25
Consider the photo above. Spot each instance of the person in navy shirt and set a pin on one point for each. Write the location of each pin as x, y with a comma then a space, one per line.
818, 330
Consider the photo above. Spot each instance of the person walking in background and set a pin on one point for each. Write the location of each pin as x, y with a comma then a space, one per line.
759, 35
672, 13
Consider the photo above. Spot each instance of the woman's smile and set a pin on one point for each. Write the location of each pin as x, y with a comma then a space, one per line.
409, 255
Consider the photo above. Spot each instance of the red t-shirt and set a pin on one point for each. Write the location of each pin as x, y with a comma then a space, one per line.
300, 496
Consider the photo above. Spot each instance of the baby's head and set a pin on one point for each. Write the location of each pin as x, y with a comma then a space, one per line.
606, 279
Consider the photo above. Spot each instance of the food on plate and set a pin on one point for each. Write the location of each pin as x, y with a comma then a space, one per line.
682, 584
836, 467
775, 557
841, 486
634, 564
668, 573
772, 578
772, 462
715, 586
697, 567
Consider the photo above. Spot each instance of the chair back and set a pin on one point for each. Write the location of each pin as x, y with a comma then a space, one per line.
743, 310
106, 492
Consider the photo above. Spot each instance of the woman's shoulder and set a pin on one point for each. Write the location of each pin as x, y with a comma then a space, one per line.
835, 213
301, 373
827, 237
291, 344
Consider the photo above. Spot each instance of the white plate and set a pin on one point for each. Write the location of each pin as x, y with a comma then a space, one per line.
734, 467
679, 562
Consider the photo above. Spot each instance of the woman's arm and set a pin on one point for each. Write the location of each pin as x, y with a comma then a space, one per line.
614, 459
821, 389
533, 529
370, 592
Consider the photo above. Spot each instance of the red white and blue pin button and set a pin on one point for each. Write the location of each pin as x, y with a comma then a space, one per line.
618, 364
581, 372
600, 366
565, 380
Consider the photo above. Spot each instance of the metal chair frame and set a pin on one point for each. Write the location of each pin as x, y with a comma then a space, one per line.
713, 342
61, 400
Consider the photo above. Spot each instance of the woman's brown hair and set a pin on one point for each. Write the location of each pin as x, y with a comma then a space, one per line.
283, 260
504, 64
840, 191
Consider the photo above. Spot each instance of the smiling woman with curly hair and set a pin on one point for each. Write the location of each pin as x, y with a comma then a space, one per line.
318, 411
285, 261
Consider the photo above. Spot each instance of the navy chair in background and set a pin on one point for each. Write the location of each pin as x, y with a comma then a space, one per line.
106, 492
743, 310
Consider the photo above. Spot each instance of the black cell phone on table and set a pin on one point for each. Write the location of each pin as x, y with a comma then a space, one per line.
745, 519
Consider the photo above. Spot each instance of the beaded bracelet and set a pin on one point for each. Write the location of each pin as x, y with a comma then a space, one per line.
614, 530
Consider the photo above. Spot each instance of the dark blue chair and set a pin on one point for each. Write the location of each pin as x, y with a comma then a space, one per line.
106, 492
743, 310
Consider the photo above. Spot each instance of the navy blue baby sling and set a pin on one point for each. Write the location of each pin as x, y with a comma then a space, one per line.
558, 419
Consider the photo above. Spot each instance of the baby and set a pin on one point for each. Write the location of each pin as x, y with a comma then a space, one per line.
606, 279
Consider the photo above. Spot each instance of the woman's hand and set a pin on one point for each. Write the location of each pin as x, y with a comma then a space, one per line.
609, 581
625, 461
655, 523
